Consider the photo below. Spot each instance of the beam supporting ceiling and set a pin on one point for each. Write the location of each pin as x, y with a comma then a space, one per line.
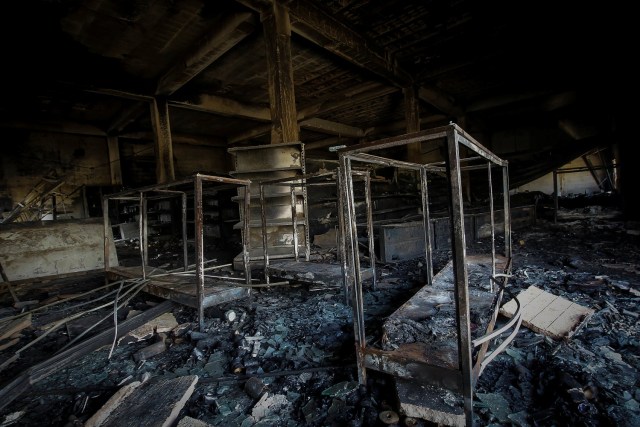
322, 29
232, 31
180, 138
225, 107
361, 94
67, 127
440, 100
332, 128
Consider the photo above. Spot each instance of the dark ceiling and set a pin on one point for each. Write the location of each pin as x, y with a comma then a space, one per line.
548, 68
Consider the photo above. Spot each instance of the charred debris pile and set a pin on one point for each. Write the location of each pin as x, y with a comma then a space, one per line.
285, 355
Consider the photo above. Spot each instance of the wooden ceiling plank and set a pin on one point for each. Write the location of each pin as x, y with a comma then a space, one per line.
180, 138
317, 26
225, 107
332, 128
68, 127
233, 30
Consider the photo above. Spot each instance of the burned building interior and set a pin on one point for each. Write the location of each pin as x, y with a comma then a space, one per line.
318, 213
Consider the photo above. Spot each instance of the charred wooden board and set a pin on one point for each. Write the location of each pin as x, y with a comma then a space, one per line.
155, 403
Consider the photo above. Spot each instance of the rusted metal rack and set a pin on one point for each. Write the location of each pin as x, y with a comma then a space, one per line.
184, 285
418, 366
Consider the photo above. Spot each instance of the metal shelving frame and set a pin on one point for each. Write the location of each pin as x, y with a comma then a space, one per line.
454, 137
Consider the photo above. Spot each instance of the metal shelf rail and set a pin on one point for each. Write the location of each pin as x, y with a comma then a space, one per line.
407, 365
191, 187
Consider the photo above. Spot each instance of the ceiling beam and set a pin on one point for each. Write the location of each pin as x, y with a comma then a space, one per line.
506, 99
324, 30
232, 30
249, 134
344, 99
311, 22
323, 143
440, 100
225, 107
67, 127
332, 128
180, 138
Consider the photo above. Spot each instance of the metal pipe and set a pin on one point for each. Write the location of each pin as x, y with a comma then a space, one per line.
426, 225
145, 226
370, 158
263, 218
305, 210
341, 193
107, 240
555, 196
199, 243
294, 221
493, 225
461, 281
357, 301
141, 232
246, 236
184, 232
372, 249
507, 212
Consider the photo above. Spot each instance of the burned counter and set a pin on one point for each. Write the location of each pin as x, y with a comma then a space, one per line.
440, 357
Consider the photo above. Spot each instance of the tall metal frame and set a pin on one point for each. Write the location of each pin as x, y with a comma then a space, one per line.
454, 137
304, 181
180, 188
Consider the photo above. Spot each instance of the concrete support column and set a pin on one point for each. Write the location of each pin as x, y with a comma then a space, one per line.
282, 100
114, 160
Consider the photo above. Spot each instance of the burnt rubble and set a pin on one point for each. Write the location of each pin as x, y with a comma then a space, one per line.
285, 355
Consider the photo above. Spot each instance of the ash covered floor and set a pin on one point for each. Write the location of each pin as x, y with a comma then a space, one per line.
285, 356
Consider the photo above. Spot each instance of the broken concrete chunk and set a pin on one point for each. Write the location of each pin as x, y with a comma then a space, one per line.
327, 240
149, 351
268, 405
254, 387
163, 323
192, 422
497, 404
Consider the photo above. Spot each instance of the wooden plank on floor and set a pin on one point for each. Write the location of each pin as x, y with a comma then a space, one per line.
11, 328
567, 321
546, 313
156, 403
34, 374
547, 316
